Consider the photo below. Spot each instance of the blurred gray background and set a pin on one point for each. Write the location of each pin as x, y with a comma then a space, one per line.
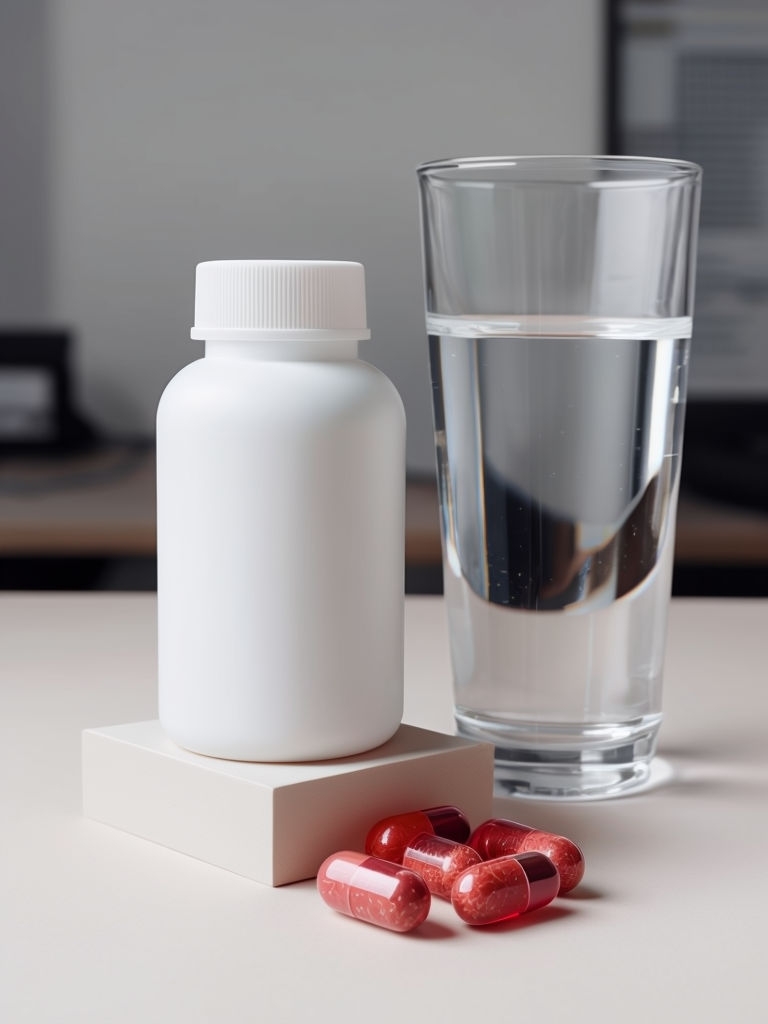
141, 137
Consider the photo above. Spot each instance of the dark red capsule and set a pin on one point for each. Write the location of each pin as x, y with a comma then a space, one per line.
543, 878
499, 837
449, 822
439, 861
389, 837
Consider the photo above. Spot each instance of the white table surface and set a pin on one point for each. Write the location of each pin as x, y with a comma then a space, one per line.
96, 925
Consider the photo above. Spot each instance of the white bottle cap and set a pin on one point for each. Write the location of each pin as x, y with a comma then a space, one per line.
265, 300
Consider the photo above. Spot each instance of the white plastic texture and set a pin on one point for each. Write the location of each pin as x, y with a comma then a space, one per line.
281, 478
260, 299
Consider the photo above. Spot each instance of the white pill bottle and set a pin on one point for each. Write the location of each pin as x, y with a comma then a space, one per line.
280, 522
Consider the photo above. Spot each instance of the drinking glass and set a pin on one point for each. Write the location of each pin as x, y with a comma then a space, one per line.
559, 297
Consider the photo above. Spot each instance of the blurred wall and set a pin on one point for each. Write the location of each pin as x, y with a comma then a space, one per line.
24, 162
183, 130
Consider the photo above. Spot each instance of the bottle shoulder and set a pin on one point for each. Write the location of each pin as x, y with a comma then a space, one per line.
280, 390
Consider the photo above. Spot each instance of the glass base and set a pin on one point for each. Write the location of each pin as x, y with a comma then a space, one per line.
559, 762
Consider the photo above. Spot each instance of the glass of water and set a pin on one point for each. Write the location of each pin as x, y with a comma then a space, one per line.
559, 301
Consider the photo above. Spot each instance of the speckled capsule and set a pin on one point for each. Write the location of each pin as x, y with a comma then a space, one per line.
439, 861
491, 891
389, 837
499, 837
373, 890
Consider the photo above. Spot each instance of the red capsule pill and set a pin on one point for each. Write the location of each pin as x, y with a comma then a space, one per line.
491, 891
499, 838
373, 890
389, 837
439, 861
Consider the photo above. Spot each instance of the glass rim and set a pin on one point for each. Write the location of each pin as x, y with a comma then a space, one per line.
670, 170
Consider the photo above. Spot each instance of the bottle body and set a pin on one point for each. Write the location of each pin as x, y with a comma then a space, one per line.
280, 553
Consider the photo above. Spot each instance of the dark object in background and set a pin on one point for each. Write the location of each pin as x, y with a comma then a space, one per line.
37, 414
692, 84
726, 452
